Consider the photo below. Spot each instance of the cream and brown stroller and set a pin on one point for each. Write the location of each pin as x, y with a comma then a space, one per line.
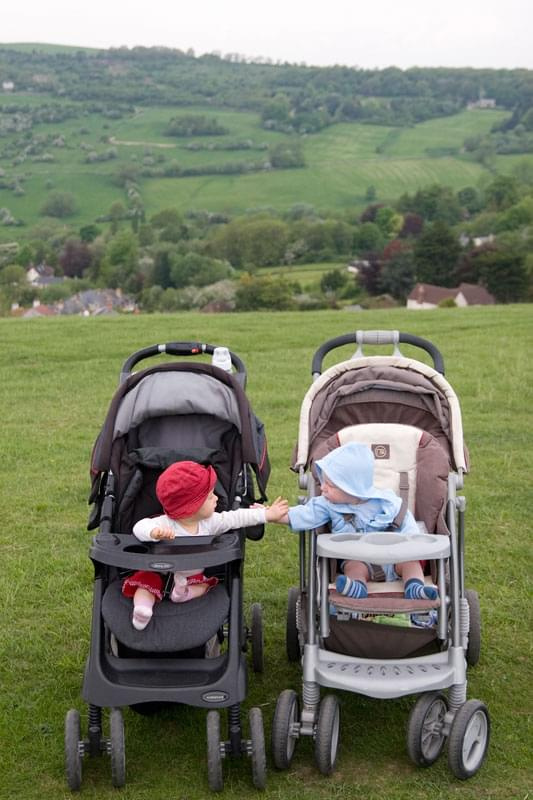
385, 646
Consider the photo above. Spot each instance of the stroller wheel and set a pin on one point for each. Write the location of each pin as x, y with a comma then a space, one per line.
469, 739
73, 749
284, 736
117, 749
214, 753
258, 662
327, 734
257, 735
292, 640
425, 737
474, 633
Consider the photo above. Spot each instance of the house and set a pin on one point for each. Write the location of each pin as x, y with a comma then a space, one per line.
426, 295
38, 310
42, 275
8, 86
483, 102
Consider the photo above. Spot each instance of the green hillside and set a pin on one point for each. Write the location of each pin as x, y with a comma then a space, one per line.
341, 161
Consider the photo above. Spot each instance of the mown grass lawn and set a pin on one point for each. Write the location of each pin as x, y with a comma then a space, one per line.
57, 379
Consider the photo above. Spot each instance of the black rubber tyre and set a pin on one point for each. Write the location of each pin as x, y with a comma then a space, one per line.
258, 662
425, 739
72, 749
327, 736
473, 649
468, 740
292, 640
117, 748
283, 741
214, 757
257, 735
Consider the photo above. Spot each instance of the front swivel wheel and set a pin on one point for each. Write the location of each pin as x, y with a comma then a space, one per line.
73, 749
214, 753
469, 739
284, 725
425, 736
258, 754
327, 734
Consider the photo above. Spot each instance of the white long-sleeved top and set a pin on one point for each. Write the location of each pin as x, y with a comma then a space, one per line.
219, 522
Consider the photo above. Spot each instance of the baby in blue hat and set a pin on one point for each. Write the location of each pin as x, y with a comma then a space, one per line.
350, 502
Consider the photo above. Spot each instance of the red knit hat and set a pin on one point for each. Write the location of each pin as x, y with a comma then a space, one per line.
183, 487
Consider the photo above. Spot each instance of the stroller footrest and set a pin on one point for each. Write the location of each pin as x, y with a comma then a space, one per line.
385, 679
382, 603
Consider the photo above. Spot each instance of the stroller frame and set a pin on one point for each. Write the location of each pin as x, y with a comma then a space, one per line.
435, 717
114, 681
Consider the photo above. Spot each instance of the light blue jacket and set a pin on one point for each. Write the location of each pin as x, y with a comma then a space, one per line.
351, 468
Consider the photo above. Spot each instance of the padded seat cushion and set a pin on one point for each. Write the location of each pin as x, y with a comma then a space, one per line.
173, 627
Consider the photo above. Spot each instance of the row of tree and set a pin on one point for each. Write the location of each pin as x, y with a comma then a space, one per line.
289, 96
434, 235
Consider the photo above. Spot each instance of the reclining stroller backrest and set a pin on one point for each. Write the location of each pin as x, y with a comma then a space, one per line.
381, 389
409, 461
170, 413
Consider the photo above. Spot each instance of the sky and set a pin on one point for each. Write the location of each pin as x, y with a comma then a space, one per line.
358, 33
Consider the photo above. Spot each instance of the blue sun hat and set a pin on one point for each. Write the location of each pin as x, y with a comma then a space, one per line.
351, 468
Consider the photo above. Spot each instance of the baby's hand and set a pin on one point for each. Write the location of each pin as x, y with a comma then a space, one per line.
278, 511
161, 533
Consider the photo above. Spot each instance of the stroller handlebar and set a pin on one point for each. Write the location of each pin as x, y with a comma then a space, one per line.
376, 338
179, 349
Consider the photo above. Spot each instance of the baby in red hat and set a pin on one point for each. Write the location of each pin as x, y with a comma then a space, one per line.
186, 492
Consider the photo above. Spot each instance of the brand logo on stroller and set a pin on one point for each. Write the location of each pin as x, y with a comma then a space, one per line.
161, 565
215, 697
381, 450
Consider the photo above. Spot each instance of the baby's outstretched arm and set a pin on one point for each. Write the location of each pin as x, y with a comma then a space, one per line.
278, 511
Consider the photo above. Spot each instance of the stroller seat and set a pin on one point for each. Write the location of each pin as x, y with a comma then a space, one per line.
414, 465
173, 628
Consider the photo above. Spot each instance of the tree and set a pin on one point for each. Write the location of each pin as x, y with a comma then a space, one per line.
397, 275
255, 293
121, 261
504, 274
502, 192
75, 258
59, 204
332, 281
436, 254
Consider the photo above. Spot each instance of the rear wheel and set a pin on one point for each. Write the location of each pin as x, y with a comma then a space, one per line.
257, 735
469, 739
473, 649
214, 756
292, 639
425, 737
73, 749
286, 717
327, 734
117, 748
258, 662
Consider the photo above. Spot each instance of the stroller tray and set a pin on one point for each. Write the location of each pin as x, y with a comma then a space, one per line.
383, 547
123, 550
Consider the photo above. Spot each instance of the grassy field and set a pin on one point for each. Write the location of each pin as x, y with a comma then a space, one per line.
57, 377
342, 161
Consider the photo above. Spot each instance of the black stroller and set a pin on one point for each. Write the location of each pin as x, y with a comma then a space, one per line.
192, 653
